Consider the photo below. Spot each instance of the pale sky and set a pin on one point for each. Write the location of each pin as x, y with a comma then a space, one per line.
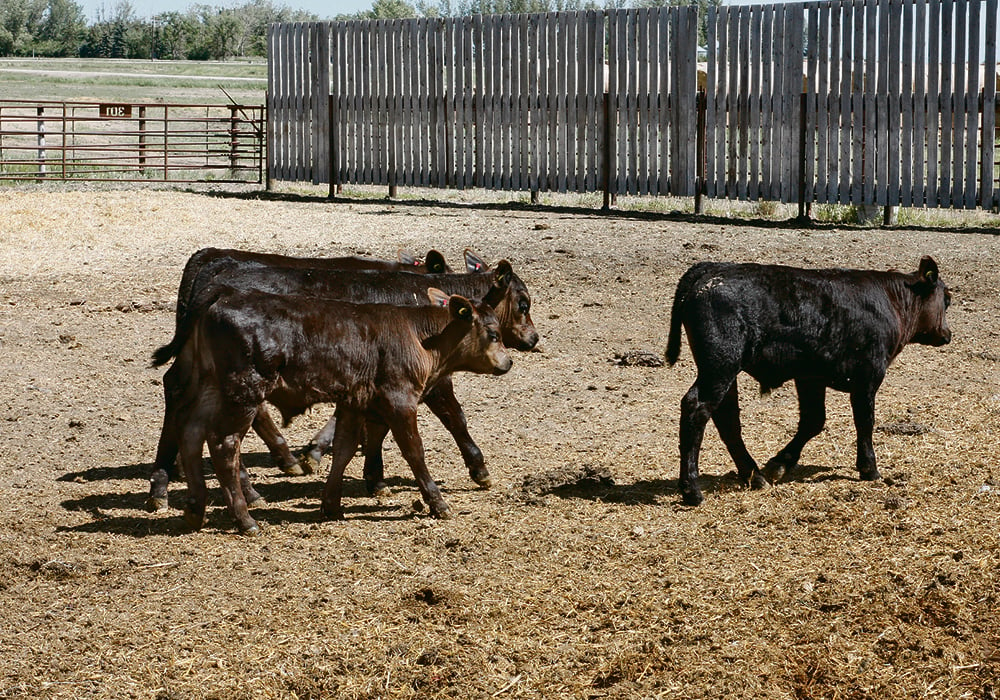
325, 9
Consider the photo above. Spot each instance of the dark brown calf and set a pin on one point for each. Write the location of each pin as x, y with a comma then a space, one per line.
245, 347
500, 288
837, 329
192, 277
210, 265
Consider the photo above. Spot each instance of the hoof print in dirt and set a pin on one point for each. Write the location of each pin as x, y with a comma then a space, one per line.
639, 358
568, 482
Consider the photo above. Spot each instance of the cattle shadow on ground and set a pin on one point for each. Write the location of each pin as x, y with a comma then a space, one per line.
218, 518
125, 472
130, 526
106, 501
142, 470
804, 473
369, 510
309, 488
637, 493
653, 491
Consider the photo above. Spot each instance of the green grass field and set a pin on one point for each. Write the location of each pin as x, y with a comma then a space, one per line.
112, 80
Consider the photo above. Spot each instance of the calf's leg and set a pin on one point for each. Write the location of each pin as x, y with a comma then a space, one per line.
863, 407
191, 441
694, 416
442, 402
727, 421
812, 418
165, 463
698, 405
253, 498
225, 451
312, 454
403, 425
345, 443
264, 426
375, 433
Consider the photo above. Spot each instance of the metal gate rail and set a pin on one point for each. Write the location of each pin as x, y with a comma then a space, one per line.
93, 141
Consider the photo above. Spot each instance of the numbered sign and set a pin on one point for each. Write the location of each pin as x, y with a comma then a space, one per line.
115, 111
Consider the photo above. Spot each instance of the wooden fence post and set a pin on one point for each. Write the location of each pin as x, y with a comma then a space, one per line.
332, 163
701, 105
609, 199
802, 156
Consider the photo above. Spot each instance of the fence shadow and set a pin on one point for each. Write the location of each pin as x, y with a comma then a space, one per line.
581, 211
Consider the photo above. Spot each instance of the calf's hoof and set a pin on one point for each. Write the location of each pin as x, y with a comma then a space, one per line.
294, 469
441, 511
156, 505
776, 469
251, 531
310, 459
194, 520
691, 496
870, 475
258, 502
758, 481
481, 476
378, 489
330, 512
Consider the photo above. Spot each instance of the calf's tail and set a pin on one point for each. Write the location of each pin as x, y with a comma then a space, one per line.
684, 286
185, 324
165, 353
674, 339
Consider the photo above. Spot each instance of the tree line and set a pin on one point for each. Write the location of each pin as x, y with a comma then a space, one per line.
60, 28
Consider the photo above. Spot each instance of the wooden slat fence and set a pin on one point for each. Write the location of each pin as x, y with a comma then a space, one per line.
652, 82
887, 102
297, 95
873, 102
509, 102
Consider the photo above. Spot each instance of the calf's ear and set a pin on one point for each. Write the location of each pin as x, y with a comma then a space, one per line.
928, 271
461, 308
927, 276
501, 283
437, 297
504, 274
435, 262
474, 263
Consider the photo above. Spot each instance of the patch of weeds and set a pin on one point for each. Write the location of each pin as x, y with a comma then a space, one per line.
837, 214
765, 208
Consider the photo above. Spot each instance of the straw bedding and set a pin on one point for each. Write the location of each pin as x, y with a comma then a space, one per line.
579, 574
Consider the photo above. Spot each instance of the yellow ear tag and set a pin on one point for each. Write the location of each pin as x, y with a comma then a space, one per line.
465, 312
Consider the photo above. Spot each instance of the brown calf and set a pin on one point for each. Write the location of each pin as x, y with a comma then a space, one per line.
501, 288
244, 347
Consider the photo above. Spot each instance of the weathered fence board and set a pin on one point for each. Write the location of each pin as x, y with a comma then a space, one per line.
988, 169
863, 102
894, 98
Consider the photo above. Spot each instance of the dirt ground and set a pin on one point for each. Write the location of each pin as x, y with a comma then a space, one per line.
578, 574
